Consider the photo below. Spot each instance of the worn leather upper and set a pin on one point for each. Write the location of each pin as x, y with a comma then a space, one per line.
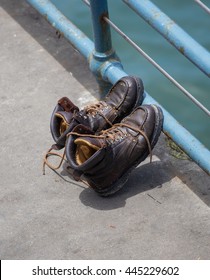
121, 99
119, 148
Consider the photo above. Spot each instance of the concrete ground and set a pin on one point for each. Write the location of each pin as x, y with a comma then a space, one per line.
161, 213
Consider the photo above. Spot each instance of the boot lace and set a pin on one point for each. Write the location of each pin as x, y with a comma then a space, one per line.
50, 165
97, 108
114, 134
109, 135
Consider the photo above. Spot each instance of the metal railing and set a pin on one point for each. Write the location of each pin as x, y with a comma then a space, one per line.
106, 66
203, 6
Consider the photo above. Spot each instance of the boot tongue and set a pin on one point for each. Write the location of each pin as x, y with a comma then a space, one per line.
86, 147
67, 105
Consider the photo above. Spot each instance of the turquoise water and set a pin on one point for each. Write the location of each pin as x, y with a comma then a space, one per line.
194, 21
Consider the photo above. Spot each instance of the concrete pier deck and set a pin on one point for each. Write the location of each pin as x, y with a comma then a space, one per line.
161, 213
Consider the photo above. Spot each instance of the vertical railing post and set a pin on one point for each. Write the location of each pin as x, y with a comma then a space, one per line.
101, 30
103, 51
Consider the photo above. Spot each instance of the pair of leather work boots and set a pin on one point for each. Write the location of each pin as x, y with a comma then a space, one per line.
106, 140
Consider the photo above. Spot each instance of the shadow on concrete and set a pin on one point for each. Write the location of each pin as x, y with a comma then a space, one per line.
55, 44
142, 179
187, 171
198, 182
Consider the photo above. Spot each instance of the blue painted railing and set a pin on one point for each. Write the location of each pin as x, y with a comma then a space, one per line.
107, 67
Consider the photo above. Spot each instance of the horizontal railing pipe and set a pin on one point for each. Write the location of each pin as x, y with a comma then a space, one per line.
183, 138
172, 32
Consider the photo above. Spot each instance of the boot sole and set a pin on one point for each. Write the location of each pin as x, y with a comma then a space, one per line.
121, 181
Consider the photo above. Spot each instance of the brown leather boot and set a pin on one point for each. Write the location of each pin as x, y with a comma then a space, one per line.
123, 97
104, 161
